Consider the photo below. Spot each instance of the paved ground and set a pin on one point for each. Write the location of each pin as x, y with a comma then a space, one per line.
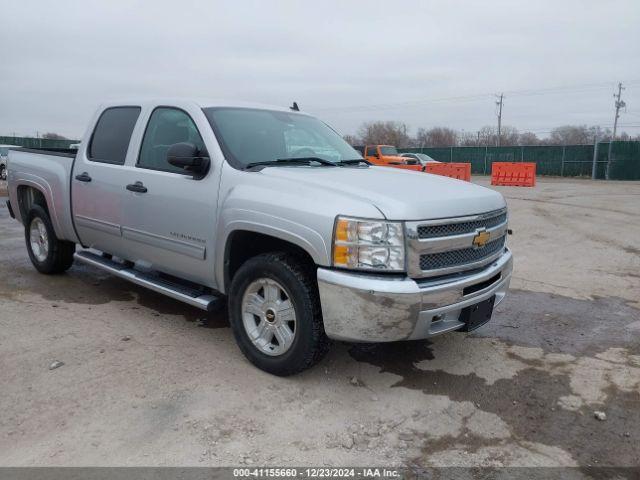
520, 391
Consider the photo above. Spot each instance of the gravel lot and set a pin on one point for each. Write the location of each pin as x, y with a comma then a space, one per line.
150, 381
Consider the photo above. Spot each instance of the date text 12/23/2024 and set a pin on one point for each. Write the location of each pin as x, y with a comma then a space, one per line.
310, 472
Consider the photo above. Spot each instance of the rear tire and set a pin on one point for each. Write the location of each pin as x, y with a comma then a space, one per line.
273, 336
48, 254
3, 172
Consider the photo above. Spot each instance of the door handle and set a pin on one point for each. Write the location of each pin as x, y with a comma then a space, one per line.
137, 187
83, 177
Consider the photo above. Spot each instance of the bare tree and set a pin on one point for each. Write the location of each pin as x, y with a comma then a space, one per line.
509, 136
436, 137
385, 133
577, 134
351, 139
488, 136
528, 138
396, 133
53, 136
469, 139
569, 135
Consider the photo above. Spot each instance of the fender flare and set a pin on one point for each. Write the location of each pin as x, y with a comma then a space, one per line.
43, 187
318, 255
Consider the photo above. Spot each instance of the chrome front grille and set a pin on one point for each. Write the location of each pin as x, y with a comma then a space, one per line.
433, 231
445, 246
454, 258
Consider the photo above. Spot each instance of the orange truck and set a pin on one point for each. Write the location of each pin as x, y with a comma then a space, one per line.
388, 156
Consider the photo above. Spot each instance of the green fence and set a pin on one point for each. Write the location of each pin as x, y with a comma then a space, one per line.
29, 142
562, 161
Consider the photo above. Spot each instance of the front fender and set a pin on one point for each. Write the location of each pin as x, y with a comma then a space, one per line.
301, 235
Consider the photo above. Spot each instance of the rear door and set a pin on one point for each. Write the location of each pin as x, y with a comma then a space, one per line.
99, 178
169, 223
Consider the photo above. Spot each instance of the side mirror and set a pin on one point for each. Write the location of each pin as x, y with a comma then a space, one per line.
188, 157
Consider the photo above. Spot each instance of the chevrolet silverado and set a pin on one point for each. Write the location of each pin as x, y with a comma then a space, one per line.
271, 211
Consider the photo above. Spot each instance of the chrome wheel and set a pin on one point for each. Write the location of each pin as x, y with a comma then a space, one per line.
39, 239
268, 316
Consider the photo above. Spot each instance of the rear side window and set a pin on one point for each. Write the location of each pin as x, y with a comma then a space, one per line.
167, 126
110, 139
372, 150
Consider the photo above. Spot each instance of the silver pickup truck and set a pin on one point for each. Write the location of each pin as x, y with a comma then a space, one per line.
272, 209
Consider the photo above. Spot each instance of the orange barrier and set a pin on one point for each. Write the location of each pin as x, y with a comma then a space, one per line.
461, 171
513, 174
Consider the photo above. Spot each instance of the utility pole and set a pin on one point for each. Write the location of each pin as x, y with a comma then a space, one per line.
594, 167
499, 104
619, 104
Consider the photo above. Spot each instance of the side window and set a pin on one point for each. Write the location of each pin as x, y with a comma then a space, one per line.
372, 150
110, 139
166, 127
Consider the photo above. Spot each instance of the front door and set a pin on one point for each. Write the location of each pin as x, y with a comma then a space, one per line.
170, 219
98, 179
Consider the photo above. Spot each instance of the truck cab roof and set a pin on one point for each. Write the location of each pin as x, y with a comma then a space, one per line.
183, 102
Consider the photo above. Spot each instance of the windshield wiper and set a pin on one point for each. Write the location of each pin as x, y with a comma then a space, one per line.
354, 161
291, 161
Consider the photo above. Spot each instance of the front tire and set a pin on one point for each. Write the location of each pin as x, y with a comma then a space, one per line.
3, 172
48, 254
275, 314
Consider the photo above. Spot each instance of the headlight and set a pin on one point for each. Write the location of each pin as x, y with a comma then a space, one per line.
368, 244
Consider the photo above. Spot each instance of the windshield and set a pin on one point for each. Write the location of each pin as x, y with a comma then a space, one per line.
388, 150
251, 135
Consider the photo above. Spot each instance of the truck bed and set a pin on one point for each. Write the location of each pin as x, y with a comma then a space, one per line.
49, 170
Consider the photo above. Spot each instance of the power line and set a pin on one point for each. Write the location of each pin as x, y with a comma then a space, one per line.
524, 92
370, 107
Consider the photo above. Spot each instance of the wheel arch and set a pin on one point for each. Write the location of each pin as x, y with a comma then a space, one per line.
30, 192
29, 195
243, 244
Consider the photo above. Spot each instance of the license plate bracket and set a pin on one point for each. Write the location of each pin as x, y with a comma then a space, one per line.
477, 315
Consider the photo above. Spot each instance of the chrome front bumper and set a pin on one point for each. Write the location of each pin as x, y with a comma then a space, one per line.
374, 308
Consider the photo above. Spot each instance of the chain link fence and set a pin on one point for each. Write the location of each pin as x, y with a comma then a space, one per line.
560, 160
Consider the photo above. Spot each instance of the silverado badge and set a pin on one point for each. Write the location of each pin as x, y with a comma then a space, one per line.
481, 238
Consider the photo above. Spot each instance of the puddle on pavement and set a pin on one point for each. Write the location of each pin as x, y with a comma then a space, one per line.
164, 305
528, 401
84, 285
561, 324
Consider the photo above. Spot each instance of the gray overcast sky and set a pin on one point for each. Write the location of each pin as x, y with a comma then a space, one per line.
60, 59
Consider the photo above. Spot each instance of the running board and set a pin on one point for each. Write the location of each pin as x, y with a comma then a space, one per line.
171, 289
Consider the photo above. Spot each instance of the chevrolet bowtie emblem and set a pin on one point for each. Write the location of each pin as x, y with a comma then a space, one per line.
481, 238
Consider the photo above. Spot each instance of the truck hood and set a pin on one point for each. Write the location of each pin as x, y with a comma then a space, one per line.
398, 194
